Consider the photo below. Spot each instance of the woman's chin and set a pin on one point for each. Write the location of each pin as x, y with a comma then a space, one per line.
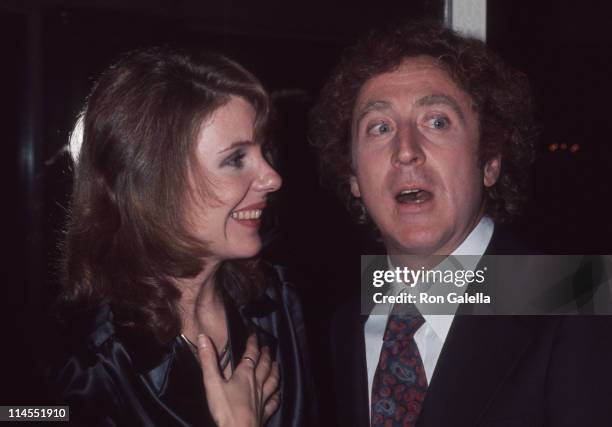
244, 251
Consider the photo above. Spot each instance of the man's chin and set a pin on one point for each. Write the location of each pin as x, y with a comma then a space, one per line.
422, 243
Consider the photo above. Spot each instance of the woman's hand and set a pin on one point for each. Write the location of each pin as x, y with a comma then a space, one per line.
249, 397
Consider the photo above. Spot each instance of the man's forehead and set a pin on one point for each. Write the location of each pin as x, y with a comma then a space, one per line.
422, 76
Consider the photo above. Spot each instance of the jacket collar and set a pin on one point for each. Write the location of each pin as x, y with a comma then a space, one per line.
158, 363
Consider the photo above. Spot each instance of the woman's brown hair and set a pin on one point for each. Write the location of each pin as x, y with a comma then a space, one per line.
126, 238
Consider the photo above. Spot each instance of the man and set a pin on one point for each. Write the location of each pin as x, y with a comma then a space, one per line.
428, 135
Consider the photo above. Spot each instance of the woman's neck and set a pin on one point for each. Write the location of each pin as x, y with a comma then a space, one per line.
201, 307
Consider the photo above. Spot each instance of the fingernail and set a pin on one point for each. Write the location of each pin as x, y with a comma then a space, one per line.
202, 341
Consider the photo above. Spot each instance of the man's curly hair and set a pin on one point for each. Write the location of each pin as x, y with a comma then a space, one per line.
501, 96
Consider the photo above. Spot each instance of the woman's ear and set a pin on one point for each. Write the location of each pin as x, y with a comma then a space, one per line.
354, 186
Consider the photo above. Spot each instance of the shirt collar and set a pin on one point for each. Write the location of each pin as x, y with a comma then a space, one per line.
477, 241
475, 244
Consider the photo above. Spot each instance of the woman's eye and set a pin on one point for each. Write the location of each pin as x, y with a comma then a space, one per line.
235, 160
438, 122
379, 128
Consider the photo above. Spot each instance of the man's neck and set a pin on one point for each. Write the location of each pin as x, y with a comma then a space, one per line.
475, 243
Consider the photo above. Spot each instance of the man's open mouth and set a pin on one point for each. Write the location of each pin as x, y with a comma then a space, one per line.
414, 195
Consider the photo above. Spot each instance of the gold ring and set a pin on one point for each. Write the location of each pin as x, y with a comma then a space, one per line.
249, 359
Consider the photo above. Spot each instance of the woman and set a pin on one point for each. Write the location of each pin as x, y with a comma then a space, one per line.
162, 282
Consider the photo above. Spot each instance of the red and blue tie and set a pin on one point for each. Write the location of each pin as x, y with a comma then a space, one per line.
399, 385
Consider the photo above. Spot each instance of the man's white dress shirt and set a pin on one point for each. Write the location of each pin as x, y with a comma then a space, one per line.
431, 335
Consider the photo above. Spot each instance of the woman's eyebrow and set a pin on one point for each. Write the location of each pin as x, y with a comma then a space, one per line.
237, 144
439, 98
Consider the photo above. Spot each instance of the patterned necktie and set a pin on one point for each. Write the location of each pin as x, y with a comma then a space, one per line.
399, 385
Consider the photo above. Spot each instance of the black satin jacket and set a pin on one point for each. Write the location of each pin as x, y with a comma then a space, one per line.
112, 377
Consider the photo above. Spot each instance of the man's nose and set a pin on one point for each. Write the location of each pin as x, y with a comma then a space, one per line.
407, 147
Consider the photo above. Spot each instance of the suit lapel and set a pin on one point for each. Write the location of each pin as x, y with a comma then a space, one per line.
356, 385
479, 353
349, 368
358, 377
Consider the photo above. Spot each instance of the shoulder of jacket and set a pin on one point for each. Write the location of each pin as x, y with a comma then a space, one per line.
89, 329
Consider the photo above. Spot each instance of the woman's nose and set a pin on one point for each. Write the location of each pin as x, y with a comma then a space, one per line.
269, 180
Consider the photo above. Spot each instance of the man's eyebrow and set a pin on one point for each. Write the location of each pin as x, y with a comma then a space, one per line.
373, 106
436, 99
238, 144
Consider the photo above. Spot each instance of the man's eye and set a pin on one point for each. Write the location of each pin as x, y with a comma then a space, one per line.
235, 160
438, 122
379, 128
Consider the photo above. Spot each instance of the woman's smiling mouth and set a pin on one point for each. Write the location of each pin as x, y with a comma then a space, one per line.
249, 215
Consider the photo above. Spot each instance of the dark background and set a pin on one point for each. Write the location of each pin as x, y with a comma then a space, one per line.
52, 50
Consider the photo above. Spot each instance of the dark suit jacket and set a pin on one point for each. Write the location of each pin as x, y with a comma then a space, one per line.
111, 376
494, 370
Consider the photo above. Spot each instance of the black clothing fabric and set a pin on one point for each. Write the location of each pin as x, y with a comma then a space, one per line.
111, 376
493, 370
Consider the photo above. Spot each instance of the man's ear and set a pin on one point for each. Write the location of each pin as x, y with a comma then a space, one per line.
354, 186
491, 171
